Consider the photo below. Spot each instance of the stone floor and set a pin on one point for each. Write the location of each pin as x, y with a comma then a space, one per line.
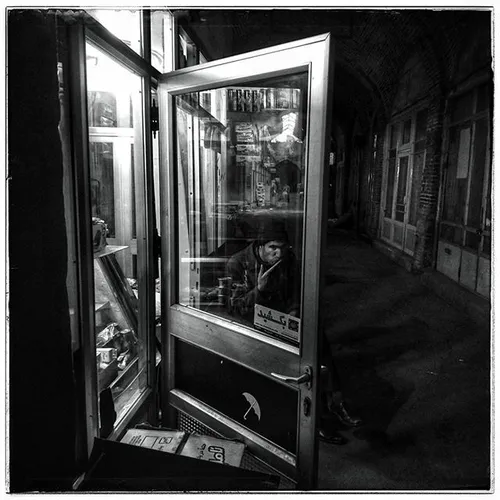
415, 368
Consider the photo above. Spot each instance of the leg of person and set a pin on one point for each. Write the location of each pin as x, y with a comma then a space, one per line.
328, 431
331, 394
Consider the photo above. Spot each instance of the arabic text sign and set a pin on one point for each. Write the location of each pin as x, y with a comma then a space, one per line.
276, 322
212, 449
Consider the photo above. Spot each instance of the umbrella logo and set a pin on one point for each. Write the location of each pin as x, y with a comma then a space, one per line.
254, 405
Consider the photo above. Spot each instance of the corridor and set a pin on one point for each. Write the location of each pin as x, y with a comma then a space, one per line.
415, 368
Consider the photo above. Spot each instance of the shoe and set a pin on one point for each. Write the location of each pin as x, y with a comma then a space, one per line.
332, 437
343, 416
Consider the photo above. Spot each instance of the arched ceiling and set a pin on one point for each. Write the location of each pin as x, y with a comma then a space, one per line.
371, 46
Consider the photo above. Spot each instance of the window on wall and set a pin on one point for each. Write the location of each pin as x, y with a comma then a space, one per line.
464, 248
467, 180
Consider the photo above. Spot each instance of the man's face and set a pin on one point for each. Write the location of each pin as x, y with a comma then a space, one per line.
272, 251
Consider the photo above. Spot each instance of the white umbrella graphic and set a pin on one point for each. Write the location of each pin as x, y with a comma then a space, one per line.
253, 405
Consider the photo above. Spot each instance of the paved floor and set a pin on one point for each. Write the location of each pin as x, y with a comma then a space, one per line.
415, 368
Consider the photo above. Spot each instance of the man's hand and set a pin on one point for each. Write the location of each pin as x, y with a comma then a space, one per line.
263, 277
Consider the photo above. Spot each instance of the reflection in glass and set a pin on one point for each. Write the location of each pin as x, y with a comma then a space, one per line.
161, 47
241, 170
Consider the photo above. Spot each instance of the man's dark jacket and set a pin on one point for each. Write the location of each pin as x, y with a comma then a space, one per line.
283, 287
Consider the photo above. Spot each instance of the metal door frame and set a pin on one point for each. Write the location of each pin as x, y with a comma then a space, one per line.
312, 54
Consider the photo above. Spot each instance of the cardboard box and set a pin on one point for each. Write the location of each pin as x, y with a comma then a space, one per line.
155, 439
108, 354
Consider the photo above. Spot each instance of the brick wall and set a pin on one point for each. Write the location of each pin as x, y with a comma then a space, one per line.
430, 182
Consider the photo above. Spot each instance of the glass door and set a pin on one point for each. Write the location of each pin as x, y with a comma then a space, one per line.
242, 185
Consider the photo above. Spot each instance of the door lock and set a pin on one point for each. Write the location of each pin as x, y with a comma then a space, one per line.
306, 406
305, 378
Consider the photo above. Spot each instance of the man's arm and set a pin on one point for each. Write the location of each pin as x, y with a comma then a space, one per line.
243, 297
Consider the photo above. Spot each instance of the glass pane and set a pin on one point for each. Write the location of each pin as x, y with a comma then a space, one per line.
124, 24
455, 195
401, 193
472, 240
416, 183
102, 183
241, 170
115, 118
161, 40
477, 174
391, 174
452, 234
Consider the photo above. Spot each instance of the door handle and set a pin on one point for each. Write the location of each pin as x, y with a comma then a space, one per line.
305, 378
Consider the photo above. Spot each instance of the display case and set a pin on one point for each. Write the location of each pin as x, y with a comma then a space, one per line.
118, 349
121, 350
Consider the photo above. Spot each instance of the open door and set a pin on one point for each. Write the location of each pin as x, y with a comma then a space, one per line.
243, 162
